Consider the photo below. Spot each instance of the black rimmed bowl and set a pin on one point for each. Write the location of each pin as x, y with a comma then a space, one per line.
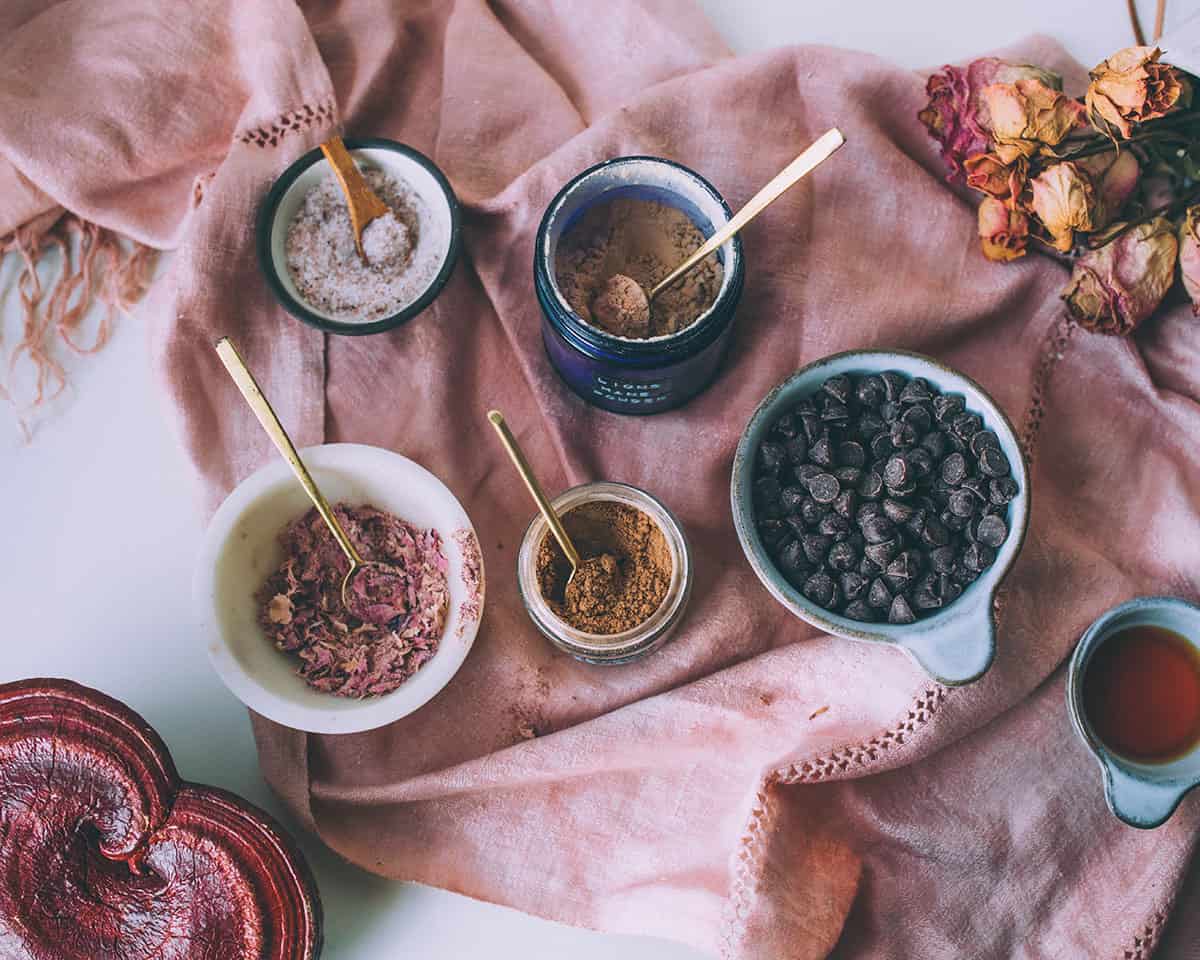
440, 237
957, 644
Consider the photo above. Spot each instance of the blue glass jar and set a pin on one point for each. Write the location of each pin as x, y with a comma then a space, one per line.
618, 373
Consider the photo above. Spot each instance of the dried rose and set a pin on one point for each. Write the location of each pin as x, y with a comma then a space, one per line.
1031, 112
987, 174
1003, 232
957, 116
1064, 200
1189, 256
1115, 288
1132, 87
1114, 175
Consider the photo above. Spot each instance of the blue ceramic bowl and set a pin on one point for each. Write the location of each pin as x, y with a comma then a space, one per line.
1140, 794
958, 643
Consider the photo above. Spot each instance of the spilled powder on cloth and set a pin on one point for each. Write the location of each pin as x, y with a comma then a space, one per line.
403, 250
302, 613
623, 580
644, 240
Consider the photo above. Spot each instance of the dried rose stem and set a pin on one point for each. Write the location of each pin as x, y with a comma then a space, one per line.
1160, 15
1138, 36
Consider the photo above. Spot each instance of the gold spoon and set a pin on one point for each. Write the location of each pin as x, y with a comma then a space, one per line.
535, 490
363, 203
372, 573
623, 296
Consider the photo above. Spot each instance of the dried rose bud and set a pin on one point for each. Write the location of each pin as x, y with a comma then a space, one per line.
1114, 176
1189, 256
1132, 87
1031, 112
957, 116
987, 174
1115, 288
1003, 232
1064, 200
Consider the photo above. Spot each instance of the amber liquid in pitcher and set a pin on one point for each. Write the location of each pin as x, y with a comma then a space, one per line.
1141, 693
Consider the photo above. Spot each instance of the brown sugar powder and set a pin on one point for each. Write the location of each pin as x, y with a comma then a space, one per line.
644, 240
625, 575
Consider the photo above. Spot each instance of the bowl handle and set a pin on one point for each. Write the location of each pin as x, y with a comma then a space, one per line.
1139, 803
958, 650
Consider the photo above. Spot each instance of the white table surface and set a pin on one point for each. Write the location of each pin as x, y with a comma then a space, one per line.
100, 526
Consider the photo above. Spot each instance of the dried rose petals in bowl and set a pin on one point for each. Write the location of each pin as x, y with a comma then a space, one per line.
244, 593
302, 611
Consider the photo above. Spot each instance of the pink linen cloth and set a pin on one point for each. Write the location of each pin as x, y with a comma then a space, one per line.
756, 788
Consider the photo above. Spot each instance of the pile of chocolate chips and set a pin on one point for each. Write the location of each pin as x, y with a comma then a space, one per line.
880, 498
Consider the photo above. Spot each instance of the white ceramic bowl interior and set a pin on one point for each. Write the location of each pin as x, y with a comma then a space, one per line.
241, 548
433, 209
957, 644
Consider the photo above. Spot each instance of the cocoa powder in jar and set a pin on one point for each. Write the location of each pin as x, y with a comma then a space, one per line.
625, 575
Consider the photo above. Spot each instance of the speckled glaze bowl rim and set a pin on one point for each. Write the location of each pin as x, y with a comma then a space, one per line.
954, 614
297, 308
1143, 775
636, 642
692, 338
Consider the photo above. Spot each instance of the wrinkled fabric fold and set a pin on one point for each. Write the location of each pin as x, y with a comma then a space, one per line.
755, 788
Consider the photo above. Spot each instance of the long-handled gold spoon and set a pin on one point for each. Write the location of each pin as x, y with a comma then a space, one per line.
623, 296
371, 590
535, 490
363, 203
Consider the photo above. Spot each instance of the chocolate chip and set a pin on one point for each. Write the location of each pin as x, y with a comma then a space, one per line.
858, 610
771, 457
941, 559
870, 391
792, 560
895, 474
834, 525
954, 469
845, 503
966, 425
816, 546
921, 462
992, 531
820, 589
935, 533
947, 406
902, 435
919, 418
824, 488
838, 387
1002, 490
797, 450
878, 529
848, 476
900, 611
871, 485
916, 391
925, 594
993, 462
984, 438
811, 512
935, 443
881, 444
851, 454
791, 498
978, 557
841, 557
897, 510
878, 595
853, 583
962, 503
821, 451
893, 383
881, 553
835, 412
870, 424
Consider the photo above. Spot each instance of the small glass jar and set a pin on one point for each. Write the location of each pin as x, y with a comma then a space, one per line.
614, 647
622, 374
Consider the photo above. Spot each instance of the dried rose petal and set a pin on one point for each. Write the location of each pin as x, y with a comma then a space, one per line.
1115, 288
1003, 232
1132, 87
1064, 200
957, 116
1029, 111
988, 174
